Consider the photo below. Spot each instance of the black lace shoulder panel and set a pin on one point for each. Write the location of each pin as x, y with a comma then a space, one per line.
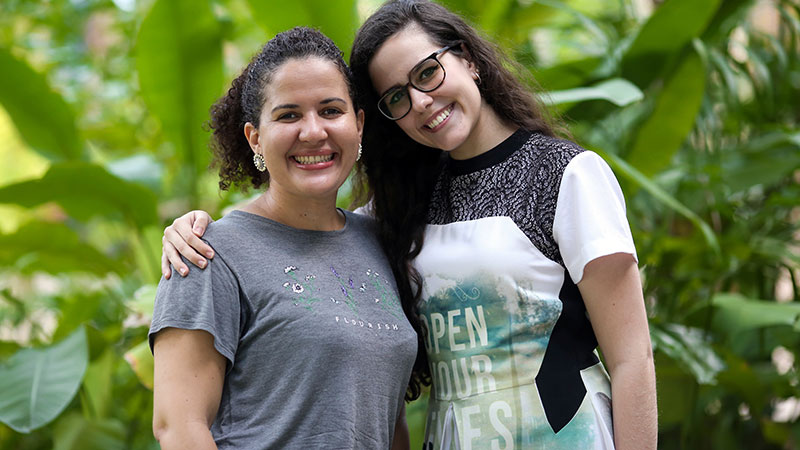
523, 187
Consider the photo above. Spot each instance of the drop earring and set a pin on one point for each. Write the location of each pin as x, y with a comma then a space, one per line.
259, 162
359, 152
477, 78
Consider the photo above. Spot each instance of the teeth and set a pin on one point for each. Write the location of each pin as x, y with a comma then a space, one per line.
313, 159
444, 115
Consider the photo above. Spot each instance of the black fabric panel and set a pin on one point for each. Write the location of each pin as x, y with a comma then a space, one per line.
570, 350
495, 156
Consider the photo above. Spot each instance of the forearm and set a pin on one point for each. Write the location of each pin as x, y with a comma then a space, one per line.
633, 393
194, 435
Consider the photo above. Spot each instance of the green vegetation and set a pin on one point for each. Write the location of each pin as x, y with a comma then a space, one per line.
693, 103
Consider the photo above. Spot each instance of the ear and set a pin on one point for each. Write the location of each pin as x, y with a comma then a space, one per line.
466, 57
360, 123
251, 134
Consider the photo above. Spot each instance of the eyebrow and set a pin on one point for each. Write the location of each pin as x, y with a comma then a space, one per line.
332, 99
398, 85
408, 76
285, 106
295, 105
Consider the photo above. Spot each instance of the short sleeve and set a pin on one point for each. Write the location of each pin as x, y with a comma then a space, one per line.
590, 219
205, 300
367, 209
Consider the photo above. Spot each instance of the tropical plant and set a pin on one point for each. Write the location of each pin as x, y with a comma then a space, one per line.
693, 103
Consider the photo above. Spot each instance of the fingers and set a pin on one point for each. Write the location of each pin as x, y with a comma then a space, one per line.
183, 238
201, 221
191, 227
189, 244
164, 262
171, 254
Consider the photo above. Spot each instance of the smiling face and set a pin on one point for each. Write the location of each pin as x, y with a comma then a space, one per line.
451, 117
308, 130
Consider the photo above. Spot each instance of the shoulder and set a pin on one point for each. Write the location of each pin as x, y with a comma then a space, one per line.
233, 222
360, 222
552, 152
362, 231
235, 231
541, 162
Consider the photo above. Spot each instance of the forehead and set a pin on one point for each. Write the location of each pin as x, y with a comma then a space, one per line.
305, 80
398, 55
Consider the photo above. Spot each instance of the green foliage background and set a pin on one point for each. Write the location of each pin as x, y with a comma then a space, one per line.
694, 103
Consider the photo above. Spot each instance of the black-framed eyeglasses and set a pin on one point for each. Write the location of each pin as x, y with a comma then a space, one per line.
426, 76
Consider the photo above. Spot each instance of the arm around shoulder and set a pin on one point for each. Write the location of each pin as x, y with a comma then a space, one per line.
188, 378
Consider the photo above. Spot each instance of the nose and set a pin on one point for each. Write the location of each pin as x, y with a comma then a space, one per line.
419, 100
312, 129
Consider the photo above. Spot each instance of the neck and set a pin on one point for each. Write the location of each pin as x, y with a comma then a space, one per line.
489, 132
304, 213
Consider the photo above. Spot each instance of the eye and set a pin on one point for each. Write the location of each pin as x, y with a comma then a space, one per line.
331, 112
427, 72
288, 116
396, 96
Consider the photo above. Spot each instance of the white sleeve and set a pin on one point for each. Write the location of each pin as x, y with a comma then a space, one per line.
367, 209
590, 217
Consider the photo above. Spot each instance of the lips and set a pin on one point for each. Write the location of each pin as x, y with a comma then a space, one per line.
439, 118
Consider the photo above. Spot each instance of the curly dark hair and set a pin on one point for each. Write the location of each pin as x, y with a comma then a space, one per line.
400, 172
245, 99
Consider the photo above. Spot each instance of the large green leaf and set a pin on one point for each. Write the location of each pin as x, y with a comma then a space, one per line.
42, 116
673, 117
37, 384
568, 74
76, 310
631, 173
338, 20
85, 190
142, 168
53, 248
97, 385
673, 25
75, 432
531, 16
734, 314
617, 91
729, 15
763, 161
690, 349
179, 62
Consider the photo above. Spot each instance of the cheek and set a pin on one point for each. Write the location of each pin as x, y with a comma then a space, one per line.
347, 133
406, 124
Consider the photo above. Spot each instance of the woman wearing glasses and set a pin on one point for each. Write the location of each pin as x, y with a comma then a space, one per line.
528, 261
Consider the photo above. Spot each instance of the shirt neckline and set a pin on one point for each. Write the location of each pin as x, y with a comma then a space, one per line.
492, 157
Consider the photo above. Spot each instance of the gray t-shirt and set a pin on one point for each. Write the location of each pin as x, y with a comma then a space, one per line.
319, 351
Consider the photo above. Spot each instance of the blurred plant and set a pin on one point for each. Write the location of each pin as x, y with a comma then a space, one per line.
692, 103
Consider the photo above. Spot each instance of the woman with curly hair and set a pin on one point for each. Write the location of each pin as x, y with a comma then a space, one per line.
293, 336
510, 245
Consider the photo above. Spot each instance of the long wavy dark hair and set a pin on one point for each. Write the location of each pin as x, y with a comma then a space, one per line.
400, 173
246, 97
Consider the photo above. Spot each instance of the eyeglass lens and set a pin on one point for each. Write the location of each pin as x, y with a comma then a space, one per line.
426, 76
